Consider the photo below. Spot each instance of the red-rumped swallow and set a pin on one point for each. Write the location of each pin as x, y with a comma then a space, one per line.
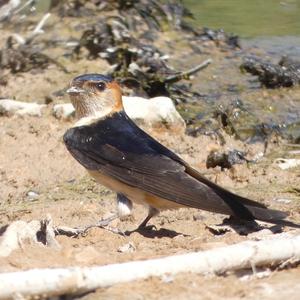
125, 159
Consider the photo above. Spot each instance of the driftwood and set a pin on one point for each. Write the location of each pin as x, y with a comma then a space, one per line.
186, 74
249, 254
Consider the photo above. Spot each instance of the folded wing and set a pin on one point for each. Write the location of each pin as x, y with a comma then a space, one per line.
118, 148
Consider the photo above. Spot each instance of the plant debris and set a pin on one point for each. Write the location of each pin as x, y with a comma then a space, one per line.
219, 36
24, 58
226, 159
284, 74
138, 65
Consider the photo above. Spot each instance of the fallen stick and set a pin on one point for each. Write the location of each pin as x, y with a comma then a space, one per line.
249, 254
38, 29
186, 74
40, 25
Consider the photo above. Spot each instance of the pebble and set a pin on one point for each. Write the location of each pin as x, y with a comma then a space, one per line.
285, 164
127, 248
32, 195
282, 200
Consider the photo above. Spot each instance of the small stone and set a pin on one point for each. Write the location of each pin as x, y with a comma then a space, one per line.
167, 278
225, 160
154, 111
282, 200
285, 164
257, 275
32, 195
127, 248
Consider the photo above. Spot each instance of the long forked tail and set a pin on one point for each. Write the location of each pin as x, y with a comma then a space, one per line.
257, 210
271, 216
245, 208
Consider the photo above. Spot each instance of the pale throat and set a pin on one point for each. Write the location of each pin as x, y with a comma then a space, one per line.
90, 107
90, 110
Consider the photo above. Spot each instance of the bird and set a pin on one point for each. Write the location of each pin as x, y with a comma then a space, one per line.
124, 158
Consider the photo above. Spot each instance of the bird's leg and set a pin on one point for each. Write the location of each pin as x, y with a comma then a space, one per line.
124, 206
151, 213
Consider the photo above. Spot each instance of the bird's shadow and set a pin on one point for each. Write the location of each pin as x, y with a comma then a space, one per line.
152, 232
240, 227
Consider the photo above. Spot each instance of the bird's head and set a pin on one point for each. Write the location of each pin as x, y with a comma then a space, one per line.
95, 94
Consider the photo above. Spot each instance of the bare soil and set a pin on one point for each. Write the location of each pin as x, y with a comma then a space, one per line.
33, 158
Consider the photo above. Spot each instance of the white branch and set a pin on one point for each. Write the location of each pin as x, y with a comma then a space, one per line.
48, 282
40, 25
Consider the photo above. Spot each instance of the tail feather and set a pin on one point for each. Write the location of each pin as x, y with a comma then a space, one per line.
271, 216
265, 214
245, 208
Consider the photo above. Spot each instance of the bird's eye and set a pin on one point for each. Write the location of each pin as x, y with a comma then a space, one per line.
100, 86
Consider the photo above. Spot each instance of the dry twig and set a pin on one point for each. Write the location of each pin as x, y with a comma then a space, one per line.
249, 254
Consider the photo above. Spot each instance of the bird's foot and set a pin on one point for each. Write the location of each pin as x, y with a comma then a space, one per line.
147, 227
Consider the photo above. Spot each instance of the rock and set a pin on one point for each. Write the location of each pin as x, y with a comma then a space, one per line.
127, 248
153, 112
35, 232
225, 160
167, 278
11, 107
283, 200
149, 112
63, 111
285, 164
18, 233
32, 195
256, 275
284, 74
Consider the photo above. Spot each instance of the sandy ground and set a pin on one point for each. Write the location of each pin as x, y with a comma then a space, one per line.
34, 159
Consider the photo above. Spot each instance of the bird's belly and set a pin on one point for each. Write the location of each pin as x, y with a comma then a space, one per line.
134, 194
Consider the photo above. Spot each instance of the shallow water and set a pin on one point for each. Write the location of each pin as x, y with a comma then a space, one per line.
248, 18
276, 46
269, 24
